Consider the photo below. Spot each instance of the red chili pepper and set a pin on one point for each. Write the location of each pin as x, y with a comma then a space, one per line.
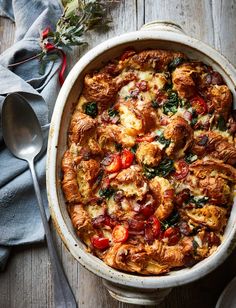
199, 105
49, 46
63, 67
127, 158
182, 169
100, 243
120, 234
45, 32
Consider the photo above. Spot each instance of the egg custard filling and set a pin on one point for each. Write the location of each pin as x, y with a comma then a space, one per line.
149, 171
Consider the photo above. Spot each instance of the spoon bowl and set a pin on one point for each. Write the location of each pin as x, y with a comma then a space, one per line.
21, 129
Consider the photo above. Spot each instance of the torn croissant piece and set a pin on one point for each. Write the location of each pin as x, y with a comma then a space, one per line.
180, 133
214, 145
100, 87
211, 216
81, 128
220, 98
164, 194
153, 59
69, 182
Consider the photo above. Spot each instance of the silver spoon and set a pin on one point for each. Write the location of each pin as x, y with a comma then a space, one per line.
23, 137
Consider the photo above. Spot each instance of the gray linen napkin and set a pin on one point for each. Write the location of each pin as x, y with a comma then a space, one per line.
20, 221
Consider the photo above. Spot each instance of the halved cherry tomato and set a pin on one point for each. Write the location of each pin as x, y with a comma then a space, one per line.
115, 164
147, 138
120, 234
182, 169
100, 243
127, 158
199, 105
173, 235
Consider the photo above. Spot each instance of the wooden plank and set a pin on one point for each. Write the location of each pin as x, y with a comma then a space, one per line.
193, 16
224, 23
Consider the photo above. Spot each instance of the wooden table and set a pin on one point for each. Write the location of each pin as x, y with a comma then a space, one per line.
26, 282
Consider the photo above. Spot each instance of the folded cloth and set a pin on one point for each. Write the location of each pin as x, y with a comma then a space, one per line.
20, 221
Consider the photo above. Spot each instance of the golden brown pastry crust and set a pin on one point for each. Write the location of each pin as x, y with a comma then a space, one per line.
149, 172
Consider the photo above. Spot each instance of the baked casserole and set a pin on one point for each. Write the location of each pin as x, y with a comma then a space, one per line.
149, 172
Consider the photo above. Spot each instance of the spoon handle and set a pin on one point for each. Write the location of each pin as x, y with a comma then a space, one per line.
63, 295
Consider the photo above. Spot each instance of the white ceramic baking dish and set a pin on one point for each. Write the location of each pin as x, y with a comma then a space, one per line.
126, 287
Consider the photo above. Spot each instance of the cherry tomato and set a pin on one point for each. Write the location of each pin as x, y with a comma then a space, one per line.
147, 138
173, 235
100, 243
199, 105
115, 164
127, 158
182, 169
147, 210
120, 234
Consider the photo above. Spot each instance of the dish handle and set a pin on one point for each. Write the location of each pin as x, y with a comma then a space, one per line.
163, 25
136, 296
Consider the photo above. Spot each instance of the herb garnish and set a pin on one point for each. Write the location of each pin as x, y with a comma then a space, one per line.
106, 192
165, 167
91, 109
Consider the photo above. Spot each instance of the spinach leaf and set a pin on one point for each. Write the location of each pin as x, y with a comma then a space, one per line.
134, 149
163, 169
112, 112
171, 221
106, 192
221, 124
163, 140
155, 104
198, 201
190, 158
175, 62
172, 103
91, 109
195, 247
